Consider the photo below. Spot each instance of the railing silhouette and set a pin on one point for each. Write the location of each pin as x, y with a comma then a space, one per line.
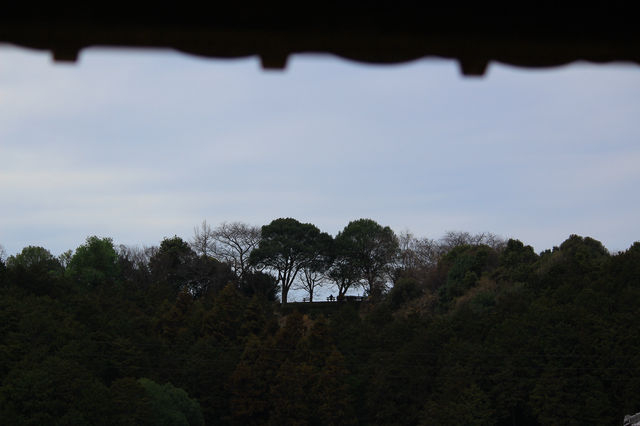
332, 298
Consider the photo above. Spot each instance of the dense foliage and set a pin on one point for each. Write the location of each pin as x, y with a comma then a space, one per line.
479, 331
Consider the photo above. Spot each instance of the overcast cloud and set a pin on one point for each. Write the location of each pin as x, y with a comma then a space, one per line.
139, 145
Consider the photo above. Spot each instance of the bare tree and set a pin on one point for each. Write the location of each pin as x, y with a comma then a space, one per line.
310, 280
134, 262
203, 242
416, 253
137, 256
456, 238
427, 251
3, 253
233, 242
314, 272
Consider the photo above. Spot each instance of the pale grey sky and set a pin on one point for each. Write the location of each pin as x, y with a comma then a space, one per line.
139, 145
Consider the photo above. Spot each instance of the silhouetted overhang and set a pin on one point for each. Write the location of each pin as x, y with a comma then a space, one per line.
372, 32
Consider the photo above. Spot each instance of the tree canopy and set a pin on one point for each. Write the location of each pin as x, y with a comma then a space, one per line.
95, 262
370, 249
286, 246
475, 333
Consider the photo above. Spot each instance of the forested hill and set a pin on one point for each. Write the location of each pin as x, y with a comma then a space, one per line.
477, 332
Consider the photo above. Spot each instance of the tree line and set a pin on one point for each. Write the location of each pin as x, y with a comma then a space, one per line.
363, 255
283, 255
467, 329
